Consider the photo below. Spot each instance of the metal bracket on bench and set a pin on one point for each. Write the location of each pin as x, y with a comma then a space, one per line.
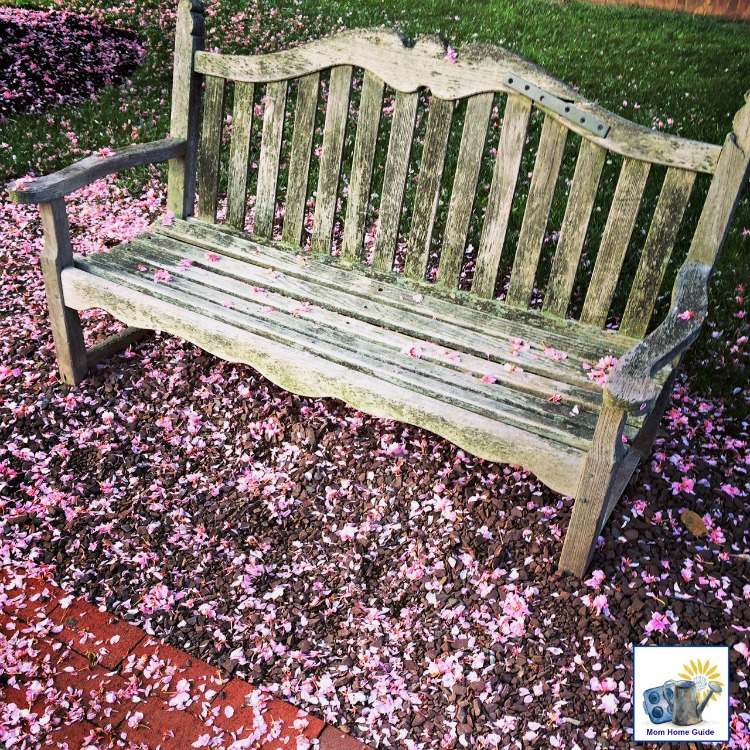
565, 109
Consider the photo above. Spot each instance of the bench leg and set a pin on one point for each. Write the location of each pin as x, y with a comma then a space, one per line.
598, 485
66, 324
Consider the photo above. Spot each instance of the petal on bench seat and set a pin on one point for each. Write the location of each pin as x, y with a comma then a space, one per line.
485, 381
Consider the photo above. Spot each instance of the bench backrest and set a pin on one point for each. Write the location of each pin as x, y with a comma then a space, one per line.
360, 122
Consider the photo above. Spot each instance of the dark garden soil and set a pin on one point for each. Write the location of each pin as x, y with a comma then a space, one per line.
54, 57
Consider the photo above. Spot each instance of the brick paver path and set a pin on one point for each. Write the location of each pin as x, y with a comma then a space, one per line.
74, 677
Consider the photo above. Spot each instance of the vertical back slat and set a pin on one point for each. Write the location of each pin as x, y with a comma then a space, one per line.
500, 200
270, 151
478, 111
428, 187
543, 182
330, 162
368, 123
210, 149
396, 169
673, 200
575, 224
299, 160
615, 240
239, 150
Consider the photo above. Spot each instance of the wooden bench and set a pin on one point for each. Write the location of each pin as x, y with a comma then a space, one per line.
409, 326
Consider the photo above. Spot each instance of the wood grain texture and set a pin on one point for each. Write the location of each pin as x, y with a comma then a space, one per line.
631, 383
299, 160
270, 151
615, 240
543, 182
66, 325
394, 184
573, 231
239, 152
337, 111
473, 137
479, 69
493, 319
428, 188
500, 200
360, 182
113, 345
310, 375
186, 97
65, 181
209, 153
594, 496
652, 266
725, 191
365, 320
341, 338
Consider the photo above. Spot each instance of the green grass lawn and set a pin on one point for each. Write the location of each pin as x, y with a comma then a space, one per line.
687, 72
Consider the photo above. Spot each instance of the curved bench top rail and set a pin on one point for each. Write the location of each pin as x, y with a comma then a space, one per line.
479, 68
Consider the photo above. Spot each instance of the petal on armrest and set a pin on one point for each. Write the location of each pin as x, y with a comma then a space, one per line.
86, 171
631, 384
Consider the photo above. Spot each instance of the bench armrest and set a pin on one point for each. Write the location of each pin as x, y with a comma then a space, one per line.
59, 184
631, 384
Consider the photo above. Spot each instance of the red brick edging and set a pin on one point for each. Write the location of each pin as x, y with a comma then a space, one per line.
133, 687
739, 10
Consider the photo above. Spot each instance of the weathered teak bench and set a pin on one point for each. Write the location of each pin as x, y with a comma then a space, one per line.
486, 374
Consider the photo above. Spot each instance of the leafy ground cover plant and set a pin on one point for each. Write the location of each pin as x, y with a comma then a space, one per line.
53, 57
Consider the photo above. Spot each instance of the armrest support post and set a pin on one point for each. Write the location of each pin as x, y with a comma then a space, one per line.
631, 384
66, 325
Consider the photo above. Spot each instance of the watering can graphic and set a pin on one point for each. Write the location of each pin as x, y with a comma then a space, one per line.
682, 698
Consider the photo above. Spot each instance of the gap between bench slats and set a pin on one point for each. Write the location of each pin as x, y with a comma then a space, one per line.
270, 151
502, 189
478, 111
615, 240
337, 112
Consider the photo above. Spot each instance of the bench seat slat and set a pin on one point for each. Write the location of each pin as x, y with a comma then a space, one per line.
488, 318
407, 331
344, 340
270, 152
368, 122
556, 464
239, 150
330, 162
478, 112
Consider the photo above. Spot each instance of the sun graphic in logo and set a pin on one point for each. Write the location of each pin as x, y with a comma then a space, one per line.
701, 673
